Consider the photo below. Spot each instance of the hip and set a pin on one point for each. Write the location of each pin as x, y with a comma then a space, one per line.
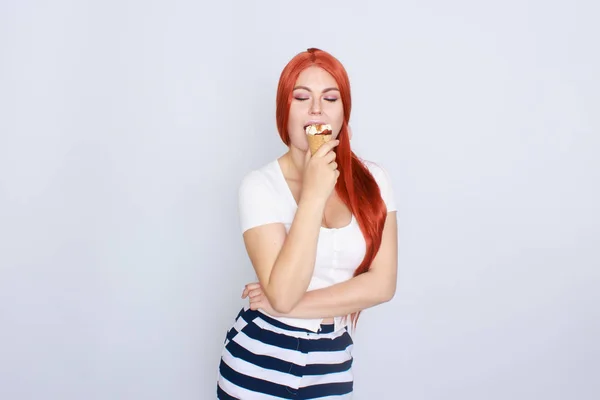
263, 356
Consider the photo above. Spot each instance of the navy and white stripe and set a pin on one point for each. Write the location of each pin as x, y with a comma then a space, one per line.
266, 359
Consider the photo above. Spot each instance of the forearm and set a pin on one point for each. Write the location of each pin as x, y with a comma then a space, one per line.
293, 269
357, 294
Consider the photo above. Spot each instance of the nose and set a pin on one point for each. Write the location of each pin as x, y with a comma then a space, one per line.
315, 107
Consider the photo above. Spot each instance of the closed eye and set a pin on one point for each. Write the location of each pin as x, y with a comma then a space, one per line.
331, 100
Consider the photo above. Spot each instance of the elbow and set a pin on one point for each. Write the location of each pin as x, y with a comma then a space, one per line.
282, 307
384, 286
387, 293
282, 304
281, 299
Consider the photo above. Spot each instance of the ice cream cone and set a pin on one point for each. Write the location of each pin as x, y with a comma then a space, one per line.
316, 141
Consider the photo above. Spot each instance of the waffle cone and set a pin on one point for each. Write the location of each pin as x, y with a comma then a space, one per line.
316, 141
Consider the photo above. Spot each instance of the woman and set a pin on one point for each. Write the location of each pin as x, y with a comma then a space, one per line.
320, 231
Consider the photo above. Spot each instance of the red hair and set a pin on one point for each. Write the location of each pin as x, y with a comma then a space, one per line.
356, 186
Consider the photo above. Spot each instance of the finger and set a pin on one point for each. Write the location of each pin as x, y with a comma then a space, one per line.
255, 304
333, 165
249, 287
255, 293
330, 157
326, 148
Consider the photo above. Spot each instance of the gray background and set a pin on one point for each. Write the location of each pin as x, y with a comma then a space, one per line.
126, 126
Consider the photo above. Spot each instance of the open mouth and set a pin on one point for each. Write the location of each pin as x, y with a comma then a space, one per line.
315, 123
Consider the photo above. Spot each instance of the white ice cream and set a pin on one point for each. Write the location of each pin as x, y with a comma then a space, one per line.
317, 128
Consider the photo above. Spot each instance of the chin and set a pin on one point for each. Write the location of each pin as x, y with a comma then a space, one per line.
303, 149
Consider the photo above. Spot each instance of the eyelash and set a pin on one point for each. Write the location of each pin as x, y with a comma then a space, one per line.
304, 99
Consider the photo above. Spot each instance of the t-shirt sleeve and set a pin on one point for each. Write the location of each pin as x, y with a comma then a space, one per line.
257, 202
385, 185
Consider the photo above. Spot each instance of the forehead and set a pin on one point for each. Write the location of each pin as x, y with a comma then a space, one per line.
316, 77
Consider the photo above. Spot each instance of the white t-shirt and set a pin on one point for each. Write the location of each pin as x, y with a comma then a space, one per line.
265, 198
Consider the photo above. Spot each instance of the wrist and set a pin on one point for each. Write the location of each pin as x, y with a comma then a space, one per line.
311, 202
312, 205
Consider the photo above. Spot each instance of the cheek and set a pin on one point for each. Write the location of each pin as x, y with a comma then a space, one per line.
296, 115
337, 126
294, 128
298, 138
337, 120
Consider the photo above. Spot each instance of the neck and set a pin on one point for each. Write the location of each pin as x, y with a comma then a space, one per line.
294, 159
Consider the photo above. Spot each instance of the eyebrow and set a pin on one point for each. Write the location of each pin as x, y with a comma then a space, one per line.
324, 91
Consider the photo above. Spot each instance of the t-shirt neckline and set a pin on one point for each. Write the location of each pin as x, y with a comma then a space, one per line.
290, 196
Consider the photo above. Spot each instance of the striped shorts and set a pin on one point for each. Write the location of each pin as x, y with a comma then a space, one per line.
264, 358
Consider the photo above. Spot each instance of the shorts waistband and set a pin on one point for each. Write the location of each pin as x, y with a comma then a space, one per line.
249, 315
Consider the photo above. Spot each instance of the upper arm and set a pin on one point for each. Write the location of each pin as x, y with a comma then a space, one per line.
385, 263
263, 244
261, 224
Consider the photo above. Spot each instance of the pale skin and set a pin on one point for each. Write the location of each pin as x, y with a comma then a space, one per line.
284, 262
